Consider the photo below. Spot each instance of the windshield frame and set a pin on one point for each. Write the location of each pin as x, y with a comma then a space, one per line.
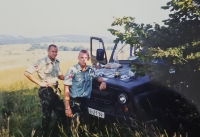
124, 60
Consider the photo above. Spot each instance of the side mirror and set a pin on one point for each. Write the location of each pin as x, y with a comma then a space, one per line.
100, 54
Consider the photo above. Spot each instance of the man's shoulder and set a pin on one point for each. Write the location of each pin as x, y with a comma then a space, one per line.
77, 67
43, 60
46, 60
89, 66
74, 68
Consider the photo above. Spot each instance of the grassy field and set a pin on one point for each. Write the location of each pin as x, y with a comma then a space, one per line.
20, 111
19, 102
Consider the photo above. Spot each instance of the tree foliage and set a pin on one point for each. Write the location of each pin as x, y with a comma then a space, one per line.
177, 43
174, 50
133, 32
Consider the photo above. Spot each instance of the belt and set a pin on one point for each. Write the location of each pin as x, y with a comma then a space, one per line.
55, 88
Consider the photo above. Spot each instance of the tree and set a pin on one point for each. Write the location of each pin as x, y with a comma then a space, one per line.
133, 32
177, 44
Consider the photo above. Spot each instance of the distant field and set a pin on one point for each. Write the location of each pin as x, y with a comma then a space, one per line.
16, 55
13, 79
15, 58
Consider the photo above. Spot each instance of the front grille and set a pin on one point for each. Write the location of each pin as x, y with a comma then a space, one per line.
100, 106
101, 101
101, 97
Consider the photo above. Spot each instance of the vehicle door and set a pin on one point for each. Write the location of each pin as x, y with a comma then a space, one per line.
97, 51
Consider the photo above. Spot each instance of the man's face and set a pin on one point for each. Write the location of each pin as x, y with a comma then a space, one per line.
52, 52
83, 58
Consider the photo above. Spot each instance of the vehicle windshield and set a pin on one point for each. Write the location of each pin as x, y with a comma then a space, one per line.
125, 52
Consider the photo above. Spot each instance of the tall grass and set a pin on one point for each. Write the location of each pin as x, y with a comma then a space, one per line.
20, 111
19, 102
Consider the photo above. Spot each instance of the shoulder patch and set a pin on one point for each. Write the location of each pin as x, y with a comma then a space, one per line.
70, 76
35, 67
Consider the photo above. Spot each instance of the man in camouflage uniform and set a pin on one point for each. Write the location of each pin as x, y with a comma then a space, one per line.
77, 89
49, 72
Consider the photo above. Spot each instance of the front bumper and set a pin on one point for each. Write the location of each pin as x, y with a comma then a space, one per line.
113, 114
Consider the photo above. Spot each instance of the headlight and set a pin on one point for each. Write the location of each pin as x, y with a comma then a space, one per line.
122, 98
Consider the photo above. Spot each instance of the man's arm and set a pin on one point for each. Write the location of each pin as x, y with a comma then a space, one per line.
68, 110
100, 79
60, 74
103, 83
34, 80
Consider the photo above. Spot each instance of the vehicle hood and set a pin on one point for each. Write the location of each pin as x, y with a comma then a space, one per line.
124, 81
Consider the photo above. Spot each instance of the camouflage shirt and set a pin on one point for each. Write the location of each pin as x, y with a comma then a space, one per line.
80, 82
46, 70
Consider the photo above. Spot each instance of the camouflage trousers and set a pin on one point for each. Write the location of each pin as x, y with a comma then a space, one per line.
50, 101
80, 115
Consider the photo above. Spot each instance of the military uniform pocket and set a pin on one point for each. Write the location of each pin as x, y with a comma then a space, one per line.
47, 71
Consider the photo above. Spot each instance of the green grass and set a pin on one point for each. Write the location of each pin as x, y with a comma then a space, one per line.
20, 110
21, 117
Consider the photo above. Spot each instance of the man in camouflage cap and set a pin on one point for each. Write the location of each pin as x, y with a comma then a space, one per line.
49, 72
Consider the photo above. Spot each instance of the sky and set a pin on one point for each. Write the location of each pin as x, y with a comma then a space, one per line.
37, 18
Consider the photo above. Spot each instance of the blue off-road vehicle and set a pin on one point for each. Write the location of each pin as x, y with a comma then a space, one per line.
130, 99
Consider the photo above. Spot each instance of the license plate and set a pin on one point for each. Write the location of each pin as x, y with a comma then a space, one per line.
96, 113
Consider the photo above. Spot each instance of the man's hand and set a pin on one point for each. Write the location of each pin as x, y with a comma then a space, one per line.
102, 86
68, 112
61, 77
